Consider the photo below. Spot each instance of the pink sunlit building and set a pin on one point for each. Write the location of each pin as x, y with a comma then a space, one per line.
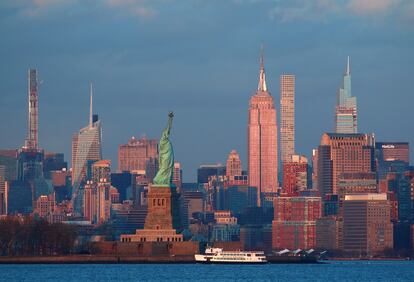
262, 139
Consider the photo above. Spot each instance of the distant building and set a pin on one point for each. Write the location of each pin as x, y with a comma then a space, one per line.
123, 183
390, 155
225, 227
401, 185
101, 171
393, 151
30, 164
127, 219
207, 170
45, 205
177, 175
233, 165
8, 158
346, 107
330, 205
239, 197
329, 233
295, 175
262, 139
2, 189
61, 184
294, 224
367, 227
103, 202
256, 237
287, 117
89, 202
19, 197
53, 162
136, 154
355, 183
193, 202
315, 169
86, 147
339, 154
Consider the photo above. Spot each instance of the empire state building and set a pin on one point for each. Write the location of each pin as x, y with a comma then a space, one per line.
262, 139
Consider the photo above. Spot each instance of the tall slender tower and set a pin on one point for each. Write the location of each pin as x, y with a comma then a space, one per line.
30, 156
32, 136
262, 139
86, 147
287, 117
346, 107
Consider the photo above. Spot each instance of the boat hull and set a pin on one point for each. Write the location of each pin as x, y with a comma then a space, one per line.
230, 262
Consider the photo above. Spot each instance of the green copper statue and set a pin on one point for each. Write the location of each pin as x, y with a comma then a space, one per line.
166, 157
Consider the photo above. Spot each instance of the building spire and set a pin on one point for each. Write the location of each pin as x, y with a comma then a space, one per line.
90, 107
348, 68
262, 76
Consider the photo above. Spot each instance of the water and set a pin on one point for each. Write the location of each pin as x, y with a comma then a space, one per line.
330, 271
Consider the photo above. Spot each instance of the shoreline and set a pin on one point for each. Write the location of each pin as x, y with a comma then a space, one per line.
94, 259
113, 259
366, 259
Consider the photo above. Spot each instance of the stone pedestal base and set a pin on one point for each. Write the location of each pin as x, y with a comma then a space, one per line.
162, 222
163, 209
154, 235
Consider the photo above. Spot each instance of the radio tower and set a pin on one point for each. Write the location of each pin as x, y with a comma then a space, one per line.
32, 136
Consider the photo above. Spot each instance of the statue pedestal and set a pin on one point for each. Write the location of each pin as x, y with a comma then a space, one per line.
162, 221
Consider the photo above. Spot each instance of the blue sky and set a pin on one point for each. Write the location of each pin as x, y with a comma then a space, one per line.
201, 60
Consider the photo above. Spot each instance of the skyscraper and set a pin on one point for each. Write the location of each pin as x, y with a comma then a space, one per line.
2, 189
86, 146
32, 136
346, 107
137, 154
287, 117
367, 224
340, 155
262, 139
30, 157
233, 165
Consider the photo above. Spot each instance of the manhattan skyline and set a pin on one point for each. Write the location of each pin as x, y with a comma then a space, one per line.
200, 71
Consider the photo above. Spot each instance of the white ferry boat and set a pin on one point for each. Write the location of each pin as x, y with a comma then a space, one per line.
217, 255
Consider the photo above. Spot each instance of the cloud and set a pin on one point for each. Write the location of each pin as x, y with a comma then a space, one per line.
140, 8
302, 10
372, 6
320, 10
38, 8
48, 3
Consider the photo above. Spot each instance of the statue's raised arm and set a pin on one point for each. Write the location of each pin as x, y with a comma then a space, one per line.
166, 157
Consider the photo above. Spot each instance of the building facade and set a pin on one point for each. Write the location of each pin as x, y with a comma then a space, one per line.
287, 116
233, 165
367, 227
340, 154
262, 139
295, 175
136, 154
207, 170
294, 224
101, 171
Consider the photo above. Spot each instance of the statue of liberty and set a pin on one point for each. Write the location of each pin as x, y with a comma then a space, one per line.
166, 157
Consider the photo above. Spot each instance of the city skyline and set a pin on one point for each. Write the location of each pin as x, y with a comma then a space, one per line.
227, 97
